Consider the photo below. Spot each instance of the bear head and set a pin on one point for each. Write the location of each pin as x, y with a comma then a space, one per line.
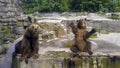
34, 28
81, 24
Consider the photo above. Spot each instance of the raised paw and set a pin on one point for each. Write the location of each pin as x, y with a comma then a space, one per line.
90, 53
93, 31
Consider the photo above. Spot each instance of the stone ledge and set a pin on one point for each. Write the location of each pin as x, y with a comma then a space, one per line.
49, 61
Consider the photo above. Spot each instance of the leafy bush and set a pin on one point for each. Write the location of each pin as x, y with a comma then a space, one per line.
30, 6
114, 16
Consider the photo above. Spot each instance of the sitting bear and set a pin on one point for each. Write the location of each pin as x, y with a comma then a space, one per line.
81, 36
29, 45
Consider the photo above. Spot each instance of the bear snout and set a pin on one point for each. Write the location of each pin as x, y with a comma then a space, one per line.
35, 30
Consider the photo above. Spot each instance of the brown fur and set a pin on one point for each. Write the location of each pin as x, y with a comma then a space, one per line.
81, 36
30, 43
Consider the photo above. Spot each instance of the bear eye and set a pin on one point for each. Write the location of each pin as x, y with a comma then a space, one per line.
37, 27
32, 26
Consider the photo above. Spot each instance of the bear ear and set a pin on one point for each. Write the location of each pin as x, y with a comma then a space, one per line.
85, 19
40, 25
82, 20
29, 24
79, 20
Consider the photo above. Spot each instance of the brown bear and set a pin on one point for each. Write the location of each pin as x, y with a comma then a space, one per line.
81, 36
29, 45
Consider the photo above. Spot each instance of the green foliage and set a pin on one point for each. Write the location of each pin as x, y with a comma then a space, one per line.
100, 12
30, 6
4, 30
115, 16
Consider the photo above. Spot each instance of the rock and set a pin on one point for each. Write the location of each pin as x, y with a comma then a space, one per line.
1, 49
94, 45
6, 40
5, 47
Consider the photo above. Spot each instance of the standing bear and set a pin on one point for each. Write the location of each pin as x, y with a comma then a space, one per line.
29, 45
81, 36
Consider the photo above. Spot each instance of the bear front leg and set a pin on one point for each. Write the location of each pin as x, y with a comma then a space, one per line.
92, 31
24, 54
36, 52
88, 34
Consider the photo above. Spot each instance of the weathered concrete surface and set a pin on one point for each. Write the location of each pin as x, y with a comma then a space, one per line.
108, 25
106, 48
108, 44
55, 55
94, 20
57, 60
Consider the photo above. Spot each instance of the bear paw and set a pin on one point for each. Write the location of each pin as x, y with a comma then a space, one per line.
93, 31
90, 53
36, 56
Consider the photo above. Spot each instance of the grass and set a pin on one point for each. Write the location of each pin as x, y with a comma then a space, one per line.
94, 36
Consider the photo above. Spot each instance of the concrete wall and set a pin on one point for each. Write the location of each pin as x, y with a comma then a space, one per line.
111, 26
65, 62
108, 25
